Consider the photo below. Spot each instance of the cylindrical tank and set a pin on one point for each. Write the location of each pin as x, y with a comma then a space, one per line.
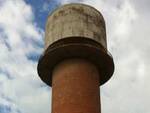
75, 31
75, 21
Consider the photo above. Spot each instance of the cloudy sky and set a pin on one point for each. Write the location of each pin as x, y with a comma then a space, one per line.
22, 26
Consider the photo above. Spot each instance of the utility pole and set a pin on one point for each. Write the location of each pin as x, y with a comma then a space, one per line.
75, 61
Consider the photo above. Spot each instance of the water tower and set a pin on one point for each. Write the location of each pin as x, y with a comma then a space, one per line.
76, 60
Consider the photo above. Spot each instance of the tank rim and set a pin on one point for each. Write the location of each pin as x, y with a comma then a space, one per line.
81, 48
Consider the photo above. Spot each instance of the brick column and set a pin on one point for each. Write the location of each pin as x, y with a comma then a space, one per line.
75, 87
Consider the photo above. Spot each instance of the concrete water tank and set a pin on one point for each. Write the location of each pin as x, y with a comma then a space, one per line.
75, 31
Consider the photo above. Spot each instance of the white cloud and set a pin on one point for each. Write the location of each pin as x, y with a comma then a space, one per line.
19, 81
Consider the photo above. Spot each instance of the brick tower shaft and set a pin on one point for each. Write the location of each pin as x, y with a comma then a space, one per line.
79, 91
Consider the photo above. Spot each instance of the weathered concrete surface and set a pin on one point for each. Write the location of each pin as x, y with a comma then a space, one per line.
75, 20
75, 87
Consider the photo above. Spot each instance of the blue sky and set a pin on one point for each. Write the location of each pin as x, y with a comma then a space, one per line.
42, 9
22, 27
